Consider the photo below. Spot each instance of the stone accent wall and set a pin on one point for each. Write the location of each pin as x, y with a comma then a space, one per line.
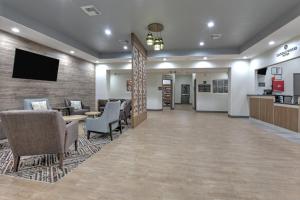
76, 77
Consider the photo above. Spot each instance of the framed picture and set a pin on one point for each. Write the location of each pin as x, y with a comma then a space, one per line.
220, 86
276, 70
129, 85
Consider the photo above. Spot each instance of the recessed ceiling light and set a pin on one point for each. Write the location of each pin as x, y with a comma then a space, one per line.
97, 61
202, 44
211, 24
15, 30
271, 43
245, 57
204, 58
72, 52
164, 59
125, 47
107, 32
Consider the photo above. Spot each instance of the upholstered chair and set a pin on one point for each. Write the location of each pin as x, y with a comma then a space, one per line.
77, 111
101, 104
28, 103
125, 111
109, 120
2, 134
38, 132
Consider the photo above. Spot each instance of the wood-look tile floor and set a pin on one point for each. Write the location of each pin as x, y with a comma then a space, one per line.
179, 155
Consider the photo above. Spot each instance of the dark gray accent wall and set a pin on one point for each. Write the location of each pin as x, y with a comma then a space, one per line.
76, 77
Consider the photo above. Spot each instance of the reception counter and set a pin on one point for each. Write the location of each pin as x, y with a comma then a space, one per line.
265, 109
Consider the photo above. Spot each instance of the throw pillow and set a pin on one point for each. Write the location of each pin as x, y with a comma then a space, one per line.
76, 105
39, 105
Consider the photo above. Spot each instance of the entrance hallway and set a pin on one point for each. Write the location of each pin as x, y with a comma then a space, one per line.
184, 107
179, 155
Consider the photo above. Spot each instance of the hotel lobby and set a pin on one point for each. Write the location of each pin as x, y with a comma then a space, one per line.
158, 100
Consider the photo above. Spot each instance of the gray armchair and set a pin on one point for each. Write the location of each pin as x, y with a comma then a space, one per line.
2, 134
109, 120
35, 133
28, 103
101, 104
73, 111
125, 111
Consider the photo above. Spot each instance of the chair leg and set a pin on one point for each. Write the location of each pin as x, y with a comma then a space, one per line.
120, 124
110, 132
61, 160
88, 135
16, 163
76, 145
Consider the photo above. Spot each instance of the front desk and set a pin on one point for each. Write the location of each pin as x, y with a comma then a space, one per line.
265, 109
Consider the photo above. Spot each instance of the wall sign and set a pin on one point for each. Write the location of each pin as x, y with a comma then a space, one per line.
204, 88
287, 50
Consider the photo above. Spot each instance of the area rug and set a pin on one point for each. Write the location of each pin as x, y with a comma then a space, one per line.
45, 167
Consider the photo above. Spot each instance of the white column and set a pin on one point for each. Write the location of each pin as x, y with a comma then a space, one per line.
102, 82
239, 85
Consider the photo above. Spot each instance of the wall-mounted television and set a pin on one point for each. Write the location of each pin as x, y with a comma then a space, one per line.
30, 65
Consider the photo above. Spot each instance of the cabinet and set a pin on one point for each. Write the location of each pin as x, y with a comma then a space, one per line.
283, 115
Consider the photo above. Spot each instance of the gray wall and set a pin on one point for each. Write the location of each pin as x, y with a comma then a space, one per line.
76, 78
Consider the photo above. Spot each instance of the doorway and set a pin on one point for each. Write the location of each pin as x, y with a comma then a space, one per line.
185, 93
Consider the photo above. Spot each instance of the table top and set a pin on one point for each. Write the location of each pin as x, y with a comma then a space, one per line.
92, 113
71, 118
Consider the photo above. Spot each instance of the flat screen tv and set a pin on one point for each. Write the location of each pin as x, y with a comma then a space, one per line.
30, 65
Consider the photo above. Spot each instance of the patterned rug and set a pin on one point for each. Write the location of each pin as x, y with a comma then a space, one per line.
45, 167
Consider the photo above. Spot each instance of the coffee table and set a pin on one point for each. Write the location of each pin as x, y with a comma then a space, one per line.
71, 118
93, 114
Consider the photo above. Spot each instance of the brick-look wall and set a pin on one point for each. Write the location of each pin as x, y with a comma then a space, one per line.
76, 77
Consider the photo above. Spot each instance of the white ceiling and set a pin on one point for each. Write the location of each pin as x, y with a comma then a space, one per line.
69, 29
239, 21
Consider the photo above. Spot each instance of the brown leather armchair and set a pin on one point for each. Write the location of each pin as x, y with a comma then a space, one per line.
38, 132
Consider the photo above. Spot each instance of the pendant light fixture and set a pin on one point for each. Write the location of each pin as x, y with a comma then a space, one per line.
154, 37
150, 39
157, 44
162, 45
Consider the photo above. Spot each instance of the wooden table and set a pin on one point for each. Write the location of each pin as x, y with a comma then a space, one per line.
80, 119
71, 118
93, 114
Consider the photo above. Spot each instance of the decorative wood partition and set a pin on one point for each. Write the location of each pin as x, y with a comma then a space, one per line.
139, 89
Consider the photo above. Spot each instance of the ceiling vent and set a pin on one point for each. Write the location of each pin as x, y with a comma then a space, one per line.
90, 10
215, 36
